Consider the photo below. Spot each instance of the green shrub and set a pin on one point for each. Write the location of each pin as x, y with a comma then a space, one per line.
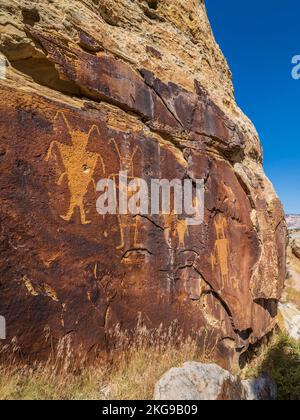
282, 363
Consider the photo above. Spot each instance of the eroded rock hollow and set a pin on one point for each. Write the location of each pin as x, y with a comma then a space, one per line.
95, 87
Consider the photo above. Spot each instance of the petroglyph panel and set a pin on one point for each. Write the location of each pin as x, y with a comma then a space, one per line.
66, 269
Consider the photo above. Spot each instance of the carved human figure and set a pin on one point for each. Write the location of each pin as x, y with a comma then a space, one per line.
221, 251
126, 162
79, 165
175, 227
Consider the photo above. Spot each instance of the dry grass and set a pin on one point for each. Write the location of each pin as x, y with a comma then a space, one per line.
135, 366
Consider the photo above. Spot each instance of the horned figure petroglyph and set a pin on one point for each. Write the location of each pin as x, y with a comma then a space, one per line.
221, 251
126, 162
79, 165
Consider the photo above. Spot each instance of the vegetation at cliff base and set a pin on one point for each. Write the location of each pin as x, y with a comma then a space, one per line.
129, 373
280, 359
135, 366
283, 365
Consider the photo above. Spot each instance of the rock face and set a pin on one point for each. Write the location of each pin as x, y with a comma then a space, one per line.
291, 319
295, 245
260, 389
290, 303
209, 382
95, 87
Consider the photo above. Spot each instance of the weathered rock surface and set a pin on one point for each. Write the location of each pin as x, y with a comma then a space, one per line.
197, 381
94, 87
293, 265
260, 389
291, 319
295, 245
290, 303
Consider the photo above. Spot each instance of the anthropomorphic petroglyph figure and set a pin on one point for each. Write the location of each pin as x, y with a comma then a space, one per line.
175, 227
126, 161
181, 229
79, 165
221, 251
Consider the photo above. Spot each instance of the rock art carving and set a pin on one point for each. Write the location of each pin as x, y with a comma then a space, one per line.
176, 229
221, 252
126, 222
79, 166
180, 100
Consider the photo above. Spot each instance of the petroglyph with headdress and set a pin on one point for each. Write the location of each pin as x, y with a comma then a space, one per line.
79, 165
126, 162
220, 257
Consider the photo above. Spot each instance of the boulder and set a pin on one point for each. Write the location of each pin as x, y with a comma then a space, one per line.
290, 314
295, 244
260, 389
289, 308
197, 381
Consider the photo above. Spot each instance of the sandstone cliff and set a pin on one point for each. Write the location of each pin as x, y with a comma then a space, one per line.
101, 79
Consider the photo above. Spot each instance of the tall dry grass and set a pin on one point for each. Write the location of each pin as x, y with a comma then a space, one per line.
135, 364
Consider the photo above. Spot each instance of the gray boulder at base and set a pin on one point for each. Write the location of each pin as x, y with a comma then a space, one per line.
261, 389
198, 381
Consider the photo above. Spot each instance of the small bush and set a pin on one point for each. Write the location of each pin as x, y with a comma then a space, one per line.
280, 359
283, 365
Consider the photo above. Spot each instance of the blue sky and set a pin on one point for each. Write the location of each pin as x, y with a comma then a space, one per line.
259, 39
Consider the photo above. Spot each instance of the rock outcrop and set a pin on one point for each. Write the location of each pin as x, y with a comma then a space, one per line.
290, 314
95, 87
208, 382
295, 246
290, 304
